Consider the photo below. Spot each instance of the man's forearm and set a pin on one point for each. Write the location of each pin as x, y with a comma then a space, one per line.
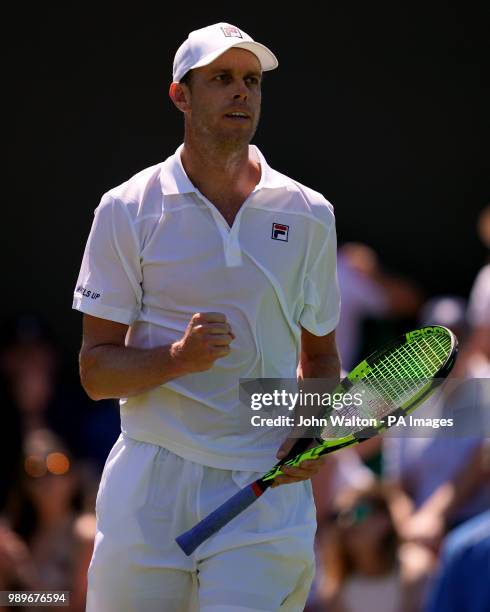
110, 371
324, 366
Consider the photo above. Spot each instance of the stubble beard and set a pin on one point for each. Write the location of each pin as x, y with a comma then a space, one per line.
224, 142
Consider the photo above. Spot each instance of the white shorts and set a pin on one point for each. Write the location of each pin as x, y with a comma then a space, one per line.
262, 560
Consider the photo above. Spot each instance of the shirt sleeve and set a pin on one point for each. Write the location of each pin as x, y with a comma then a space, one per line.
109, 283
321, 309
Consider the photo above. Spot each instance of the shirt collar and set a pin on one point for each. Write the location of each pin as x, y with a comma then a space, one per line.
174, 180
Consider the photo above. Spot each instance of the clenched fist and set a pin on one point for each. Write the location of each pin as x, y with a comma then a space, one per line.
206, 339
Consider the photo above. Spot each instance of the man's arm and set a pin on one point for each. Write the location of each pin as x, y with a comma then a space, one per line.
318, 359
109, 369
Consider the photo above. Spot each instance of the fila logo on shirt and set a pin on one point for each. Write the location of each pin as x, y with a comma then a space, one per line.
280, 232
230, 31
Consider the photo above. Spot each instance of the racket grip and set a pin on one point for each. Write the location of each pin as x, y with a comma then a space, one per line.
299, 446
212, 523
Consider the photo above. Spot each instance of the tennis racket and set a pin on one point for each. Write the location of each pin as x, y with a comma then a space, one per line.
393, 381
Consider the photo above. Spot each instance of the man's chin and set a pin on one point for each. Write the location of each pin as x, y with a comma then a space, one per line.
235, 138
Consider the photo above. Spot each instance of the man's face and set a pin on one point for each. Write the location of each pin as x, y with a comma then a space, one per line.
229, 85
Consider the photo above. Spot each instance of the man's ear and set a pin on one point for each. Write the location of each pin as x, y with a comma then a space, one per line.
180, 95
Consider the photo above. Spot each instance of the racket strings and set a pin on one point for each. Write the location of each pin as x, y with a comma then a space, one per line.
396, 376
393, 380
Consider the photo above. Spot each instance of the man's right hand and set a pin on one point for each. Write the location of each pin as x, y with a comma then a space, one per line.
109, 368
206, 339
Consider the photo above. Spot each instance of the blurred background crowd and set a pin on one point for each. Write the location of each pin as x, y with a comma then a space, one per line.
404, 521
399, 517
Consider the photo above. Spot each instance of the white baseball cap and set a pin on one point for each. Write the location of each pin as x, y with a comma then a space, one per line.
203, 46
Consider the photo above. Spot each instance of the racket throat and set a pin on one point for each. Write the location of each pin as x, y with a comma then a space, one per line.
259, 487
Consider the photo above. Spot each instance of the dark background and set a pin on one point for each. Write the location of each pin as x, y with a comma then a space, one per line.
384, 109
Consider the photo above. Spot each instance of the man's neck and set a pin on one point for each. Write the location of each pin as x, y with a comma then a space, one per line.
225, 176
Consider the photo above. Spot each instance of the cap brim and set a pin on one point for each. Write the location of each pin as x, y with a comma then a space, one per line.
267, 59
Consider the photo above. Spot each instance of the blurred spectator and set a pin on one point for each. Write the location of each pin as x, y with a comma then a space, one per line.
367, 291
439, 489
30, 362
35, 394
342, 471
447, 310
441, 479
46, 532
358, 549
462, 583
46, 537
474, 360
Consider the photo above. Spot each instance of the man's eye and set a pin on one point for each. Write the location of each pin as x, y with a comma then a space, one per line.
253, 80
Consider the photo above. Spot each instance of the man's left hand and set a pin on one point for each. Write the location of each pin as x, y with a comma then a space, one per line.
305, 470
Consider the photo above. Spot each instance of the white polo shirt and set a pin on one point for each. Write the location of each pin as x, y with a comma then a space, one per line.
159, 251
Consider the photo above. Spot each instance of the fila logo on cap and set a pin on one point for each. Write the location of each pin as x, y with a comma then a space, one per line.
230, 31
280, 232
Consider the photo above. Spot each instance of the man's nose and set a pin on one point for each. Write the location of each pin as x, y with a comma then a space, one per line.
241, 92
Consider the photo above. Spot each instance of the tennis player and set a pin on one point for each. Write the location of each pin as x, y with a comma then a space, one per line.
199, 271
